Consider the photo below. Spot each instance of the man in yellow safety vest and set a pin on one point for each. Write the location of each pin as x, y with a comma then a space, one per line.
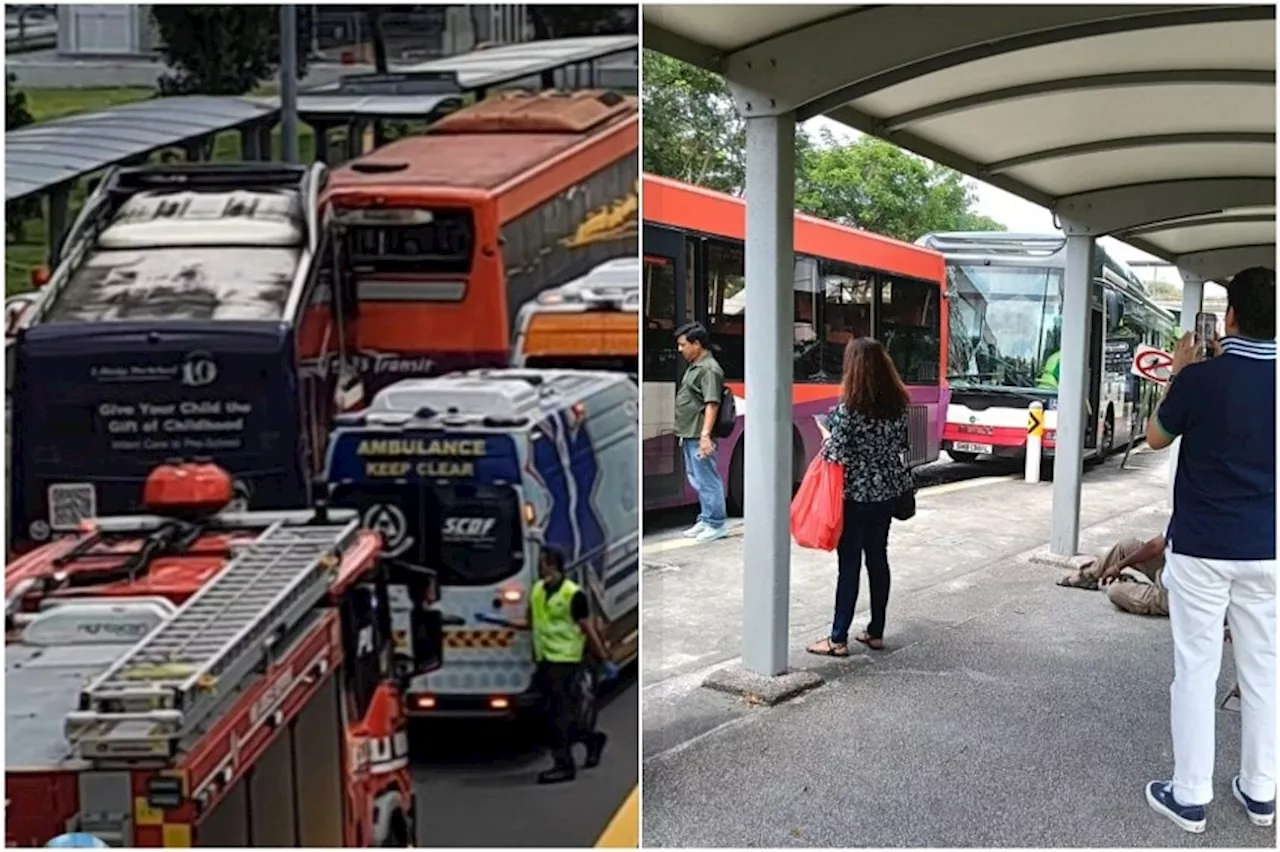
561, 622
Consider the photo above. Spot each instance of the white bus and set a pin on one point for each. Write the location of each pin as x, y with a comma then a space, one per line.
1005, 310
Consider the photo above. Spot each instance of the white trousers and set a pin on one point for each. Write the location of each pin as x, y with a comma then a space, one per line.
1201, 592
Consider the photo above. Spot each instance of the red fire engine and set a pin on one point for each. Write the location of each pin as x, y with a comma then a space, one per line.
208, 677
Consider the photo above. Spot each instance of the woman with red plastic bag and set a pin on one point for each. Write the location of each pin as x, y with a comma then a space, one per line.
868, 439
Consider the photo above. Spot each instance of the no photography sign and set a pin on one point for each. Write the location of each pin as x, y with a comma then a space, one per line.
1152, 364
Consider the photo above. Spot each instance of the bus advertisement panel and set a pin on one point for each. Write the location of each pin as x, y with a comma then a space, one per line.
1006, 328
848, 283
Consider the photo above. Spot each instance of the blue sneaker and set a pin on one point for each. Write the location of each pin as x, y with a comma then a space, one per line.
1260, 813
1186, 817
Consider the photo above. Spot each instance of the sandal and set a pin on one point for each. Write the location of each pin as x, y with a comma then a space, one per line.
827, 648
1079, 580
875, 643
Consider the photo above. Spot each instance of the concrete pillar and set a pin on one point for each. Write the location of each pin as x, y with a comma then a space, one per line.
770, 273
1192, 299
1068, 460
249, 149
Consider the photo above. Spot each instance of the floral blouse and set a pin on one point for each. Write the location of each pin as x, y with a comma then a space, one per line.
873, 453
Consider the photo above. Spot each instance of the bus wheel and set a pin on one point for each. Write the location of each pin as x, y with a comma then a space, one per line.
733, 491
1108, 434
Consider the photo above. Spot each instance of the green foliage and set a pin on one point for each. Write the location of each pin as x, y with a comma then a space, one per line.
16, 114
554, 21
693, 133
223, 50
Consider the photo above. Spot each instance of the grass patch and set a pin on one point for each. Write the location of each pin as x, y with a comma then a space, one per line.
25, 255
48, 104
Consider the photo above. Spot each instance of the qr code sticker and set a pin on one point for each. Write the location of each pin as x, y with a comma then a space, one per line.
70, 503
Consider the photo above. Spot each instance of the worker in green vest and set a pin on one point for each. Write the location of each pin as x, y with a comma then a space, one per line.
1049, 376
560, 620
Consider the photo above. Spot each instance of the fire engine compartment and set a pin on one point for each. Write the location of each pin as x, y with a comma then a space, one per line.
291, 794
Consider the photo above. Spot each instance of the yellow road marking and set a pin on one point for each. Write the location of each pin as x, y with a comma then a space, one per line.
623, 831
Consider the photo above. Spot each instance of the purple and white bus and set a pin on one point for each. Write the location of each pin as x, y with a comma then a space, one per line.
848, 283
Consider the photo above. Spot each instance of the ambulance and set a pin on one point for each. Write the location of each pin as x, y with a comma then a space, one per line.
468, 476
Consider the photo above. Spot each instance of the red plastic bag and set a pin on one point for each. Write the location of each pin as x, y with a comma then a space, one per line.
817, 512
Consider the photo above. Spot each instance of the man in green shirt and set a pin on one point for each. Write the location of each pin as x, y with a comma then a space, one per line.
697, 403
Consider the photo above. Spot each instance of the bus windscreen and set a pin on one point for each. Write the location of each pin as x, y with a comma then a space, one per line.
408, 241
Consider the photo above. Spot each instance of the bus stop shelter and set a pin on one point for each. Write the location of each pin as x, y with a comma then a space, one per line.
1153, 124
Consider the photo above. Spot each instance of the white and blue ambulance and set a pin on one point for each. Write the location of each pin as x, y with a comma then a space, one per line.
470, 475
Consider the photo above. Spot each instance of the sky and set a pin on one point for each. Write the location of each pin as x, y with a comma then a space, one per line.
1017, 214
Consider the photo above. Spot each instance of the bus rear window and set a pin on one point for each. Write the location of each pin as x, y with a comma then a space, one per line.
408, 241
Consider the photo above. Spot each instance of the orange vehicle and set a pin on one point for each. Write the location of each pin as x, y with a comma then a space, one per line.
439, 239
591, 323
206, 677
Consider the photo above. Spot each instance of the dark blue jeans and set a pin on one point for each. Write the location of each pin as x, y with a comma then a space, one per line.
866, 531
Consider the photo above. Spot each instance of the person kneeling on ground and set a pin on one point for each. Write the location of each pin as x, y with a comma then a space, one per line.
1132, 573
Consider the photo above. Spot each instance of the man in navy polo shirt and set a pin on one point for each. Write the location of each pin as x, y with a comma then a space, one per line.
1221, 557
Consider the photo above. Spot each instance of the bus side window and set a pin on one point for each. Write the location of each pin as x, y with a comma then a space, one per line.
910, 328
848, 306
726, 306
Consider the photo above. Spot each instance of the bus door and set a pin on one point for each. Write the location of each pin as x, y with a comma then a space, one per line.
667, 303
1093, 381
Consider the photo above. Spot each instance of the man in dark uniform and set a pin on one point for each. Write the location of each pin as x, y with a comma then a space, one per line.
560, 619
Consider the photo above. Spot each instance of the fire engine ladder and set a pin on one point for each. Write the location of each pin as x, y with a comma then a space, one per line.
177, 675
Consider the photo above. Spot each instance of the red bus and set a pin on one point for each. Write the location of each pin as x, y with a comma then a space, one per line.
848, 283
443, 237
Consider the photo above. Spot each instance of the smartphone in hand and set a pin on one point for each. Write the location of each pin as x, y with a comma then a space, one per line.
1206, 332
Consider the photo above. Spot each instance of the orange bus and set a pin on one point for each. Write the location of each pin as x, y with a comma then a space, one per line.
439, 239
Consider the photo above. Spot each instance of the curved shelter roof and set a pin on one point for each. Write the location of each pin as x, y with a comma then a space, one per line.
41, 156
1154, 124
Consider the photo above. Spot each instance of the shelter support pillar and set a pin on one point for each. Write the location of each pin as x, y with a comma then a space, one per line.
770, 273
1073, 380
250, 144
58, 200
1192, 299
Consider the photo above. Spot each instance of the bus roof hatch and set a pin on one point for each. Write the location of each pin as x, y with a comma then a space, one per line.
541, 112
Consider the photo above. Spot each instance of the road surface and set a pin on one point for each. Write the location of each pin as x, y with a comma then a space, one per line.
476, 782
942, 472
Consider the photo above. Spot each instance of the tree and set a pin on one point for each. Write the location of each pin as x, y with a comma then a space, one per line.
877, 186
552, 21
16, 114
223, 50
692, 130
693, 133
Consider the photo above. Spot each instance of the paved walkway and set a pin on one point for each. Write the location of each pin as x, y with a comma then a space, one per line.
1007, 712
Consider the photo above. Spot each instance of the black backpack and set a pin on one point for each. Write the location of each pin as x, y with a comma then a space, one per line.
726, 415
